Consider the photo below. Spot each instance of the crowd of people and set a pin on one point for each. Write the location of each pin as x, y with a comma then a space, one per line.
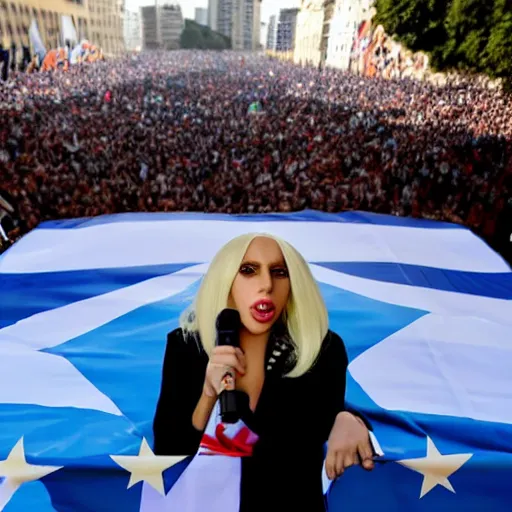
175, 132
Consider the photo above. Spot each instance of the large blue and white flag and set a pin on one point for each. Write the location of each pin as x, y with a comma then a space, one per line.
424, 308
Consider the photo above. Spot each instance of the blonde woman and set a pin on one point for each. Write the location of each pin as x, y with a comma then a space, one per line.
291, 370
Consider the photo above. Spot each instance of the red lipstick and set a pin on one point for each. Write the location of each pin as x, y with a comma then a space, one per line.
263, 311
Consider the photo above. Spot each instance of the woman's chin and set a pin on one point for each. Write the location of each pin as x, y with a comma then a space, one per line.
257, 328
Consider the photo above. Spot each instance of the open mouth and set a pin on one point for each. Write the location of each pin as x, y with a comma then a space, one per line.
263, 311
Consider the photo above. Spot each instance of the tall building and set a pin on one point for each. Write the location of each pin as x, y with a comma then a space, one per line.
201, 16
329, 6
309, 32
132, 31
240, 20
17, 15
106, 24
348, 16
285, 37
161, 27
272, 33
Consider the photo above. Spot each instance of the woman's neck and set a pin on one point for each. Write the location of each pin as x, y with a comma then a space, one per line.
254, 347
253, 343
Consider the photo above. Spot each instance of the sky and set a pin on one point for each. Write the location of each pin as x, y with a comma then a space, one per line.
268, 7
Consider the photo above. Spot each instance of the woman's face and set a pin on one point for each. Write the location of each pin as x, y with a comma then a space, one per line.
261, 287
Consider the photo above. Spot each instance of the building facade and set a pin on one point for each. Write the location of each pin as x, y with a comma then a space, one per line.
255, 26
240, 20
161, 27
348, 16
132, 31
172, 24
106, 25
201, 16
213, 9
17, 15
329, 6
308, 38
272, 33
286, 28
150, 35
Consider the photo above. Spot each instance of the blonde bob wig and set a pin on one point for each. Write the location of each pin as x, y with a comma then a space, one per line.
305, 315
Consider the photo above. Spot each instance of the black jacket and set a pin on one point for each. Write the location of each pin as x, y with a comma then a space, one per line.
293, 419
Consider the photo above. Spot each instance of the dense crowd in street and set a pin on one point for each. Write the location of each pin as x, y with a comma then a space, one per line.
173, 132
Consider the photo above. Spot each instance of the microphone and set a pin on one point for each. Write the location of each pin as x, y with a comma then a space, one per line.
228, 328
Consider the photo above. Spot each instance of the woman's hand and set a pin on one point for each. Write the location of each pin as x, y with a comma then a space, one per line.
223, 360
349, 444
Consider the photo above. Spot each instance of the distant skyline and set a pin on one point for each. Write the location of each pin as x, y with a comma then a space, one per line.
268, 7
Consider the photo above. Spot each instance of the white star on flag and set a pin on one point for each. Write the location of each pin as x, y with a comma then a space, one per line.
147, 467
17, 471
436, 468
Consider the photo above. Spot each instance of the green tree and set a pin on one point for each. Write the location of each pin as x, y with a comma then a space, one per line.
468, 25
419, 24
469, 35
191, 38
498, 52
195, 36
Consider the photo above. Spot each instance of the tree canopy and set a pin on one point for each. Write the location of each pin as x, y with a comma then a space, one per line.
468, 35
196, 36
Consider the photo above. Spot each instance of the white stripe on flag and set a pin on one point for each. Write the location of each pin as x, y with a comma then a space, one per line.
129, 244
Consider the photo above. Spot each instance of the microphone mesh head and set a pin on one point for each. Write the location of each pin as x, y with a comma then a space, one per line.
228, 319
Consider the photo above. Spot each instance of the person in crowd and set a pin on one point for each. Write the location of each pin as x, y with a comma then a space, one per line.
177, 136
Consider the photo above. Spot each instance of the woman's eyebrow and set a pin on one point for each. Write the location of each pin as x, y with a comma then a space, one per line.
279, 263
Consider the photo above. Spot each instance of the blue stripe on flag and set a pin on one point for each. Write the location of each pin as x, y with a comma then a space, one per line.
24, 295
381, 219
302, 216
496, 285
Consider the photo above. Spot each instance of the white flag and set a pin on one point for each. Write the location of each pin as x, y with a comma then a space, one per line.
36, 41
68, 31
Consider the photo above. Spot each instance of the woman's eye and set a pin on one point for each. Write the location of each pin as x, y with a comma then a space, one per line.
244, 269
281, 272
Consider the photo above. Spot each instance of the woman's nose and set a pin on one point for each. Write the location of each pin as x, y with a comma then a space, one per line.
265, 282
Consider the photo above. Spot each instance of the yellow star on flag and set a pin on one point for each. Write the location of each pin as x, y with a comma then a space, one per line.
17, 471
147, 467
436, 468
